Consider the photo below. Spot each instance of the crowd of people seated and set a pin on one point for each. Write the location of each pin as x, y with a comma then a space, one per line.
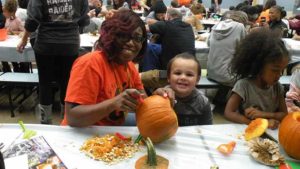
246, 55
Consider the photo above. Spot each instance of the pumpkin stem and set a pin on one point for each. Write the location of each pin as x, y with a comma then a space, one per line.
138, 139
151, 155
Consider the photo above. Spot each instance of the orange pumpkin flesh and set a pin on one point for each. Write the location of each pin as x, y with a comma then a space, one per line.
226, 149
156, 119
289, 134
256, 128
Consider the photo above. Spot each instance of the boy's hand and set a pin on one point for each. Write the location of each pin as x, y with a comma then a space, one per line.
273, 124
166, 92
253, 113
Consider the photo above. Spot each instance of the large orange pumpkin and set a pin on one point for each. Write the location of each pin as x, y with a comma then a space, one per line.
289, 134
156, 119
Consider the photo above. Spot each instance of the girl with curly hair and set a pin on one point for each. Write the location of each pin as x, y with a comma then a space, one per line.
258, 64
105, 84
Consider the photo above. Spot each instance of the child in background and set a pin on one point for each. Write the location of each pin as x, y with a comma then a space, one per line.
293, 95
14, 26
276, 24
192, 107
258, 63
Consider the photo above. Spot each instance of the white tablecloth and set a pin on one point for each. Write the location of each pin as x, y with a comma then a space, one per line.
88, 40
8, 50
8, 47
201, 46
209, 21
185, 150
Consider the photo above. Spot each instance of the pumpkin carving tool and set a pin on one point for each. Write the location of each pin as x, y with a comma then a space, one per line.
138, 97
268, 136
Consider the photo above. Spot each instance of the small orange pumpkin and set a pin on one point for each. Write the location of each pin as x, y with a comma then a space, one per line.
184, 2
289, 134
156, 119
256, 128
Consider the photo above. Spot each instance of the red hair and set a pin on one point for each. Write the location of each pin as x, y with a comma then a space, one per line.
123, 21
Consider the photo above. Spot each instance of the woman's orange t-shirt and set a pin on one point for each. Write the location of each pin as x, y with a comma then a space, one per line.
93, 80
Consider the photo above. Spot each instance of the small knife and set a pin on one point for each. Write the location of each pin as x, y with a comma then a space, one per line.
268, 136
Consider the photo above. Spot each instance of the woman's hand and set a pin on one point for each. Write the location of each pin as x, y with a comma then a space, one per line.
166, 92
253, 113
127, 100
273, 124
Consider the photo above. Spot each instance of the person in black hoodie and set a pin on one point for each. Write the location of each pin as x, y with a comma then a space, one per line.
56, 45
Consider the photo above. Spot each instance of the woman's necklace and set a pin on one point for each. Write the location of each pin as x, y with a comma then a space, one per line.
119, 89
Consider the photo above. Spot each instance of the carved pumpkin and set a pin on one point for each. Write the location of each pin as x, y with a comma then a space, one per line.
156, 119
256, 128
289, 134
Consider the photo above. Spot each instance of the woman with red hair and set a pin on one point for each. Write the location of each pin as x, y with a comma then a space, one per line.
105, 84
